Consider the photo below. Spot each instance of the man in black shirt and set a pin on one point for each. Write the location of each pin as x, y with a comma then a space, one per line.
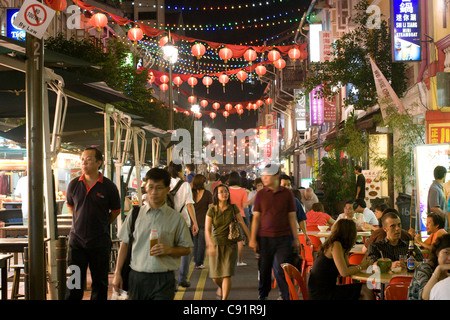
360, 183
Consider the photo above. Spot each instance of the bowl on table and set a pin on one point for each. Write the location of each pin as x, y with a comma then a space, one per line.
323, 228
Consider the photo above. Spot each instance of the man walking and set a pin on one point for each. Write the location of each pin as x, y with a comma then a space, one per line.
274, 231
436, 197
360, 183
94, 202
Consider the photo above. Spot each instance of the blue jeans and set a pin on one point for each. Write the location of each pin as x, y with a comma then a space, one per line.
199, 247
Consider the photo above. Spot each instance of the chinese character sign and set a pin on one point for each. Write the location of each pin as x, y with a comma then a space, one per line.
316, 107
438, 133
325, 42
405, 30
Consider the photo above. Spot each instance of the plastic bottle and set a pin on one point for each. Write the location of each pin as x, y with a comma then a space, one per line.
153, 239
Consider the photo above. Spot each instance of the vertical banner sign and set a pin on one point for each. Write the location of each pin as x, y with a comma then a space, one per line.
329, 110
405, 33
325, 42
300, 110
386, 95
11, 31
316, 108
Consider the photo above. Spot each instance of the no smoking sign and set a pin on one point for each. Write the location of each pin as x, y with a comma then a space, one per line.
34, 18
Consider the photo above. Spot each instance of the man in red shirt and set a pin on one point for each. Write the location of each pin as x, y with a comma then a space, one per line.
274, 231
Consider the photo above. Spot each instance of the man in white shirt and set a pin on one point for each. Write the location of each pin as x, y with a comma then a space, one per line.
349, 213
22, 191
184, 204
369, 216
308, 198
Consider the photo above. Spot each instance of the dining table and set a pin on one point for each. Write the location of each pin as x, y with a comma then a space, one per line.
373, 277
4, 279
327, 234
20, 231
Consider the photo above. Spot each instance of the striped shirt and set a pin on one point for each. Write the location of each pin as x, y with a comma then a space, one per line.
390, 251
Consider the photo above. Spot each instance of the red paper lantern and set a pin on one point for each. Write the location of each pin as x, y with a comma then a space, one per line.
223, 79
192, 81
303, 55
135, 34
226, 114
225, 54
164, 78
99, 21
260, 70
259, 103
273, 55
204, 103
198, 50
216, 106
269, 100
241, 75
294, 53
198, 115
212, 115
57, 5
280, 64
177, 80
228, 106
186, 113
151, 77
239, 106
192, 99
207, 81
255, 106
164, 86
240, 111
250, 55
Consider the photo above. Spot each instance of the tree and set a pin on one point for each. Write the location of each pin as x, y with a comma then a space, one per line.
119, 76
350, 63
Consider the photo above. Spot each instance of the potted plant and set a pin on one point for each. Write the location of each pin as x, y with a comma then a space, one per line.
338, 184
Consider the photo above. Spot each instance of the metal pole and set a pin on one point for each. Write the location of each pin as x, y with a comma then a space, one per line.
171, 124
35, 166
62, 267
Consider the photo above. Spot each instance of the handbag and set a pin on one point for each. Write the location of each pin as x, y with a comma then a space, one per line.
234, 233
126, 265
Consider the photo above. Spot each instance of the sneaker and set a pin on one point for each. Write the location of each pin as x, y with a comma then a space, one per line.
200, 267
241, 264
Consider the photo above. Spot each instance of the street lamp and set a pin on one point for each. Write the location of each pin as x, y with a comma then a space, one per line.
170, 53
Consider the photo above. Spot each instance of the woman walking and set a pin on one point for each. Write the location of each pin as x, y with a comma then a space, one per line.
203, 200
222, 252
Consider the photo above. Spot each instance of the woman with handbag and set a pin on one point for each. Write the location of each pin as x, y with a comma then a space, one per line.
221, 235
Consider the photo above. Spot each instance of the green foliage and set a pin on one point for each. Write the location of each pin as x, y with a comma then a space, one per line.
338, 182
407, 135
351, 65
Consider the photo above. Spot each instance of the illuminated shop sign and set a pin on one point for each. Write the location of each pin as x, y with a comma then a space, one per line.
11, 31
405, 33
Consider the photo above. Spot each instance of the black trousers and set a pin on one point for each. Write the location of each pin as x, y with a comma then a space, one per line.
270, 248
151, 286
79, 259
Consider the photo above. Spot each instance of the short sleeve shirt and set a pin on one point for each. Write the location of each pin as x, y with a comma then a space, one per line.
315, 218
238, 196
172, 232
436, 197
92, 209
361, 182
201, 207
274, 208
221, 222
182, 199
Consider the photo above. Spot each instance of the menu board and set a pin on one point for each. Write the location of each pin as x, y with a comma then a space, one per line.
427, 157
373, 185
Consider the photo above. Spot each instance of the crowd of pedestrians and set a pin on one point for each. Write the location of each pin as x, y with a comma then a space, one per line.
191, 214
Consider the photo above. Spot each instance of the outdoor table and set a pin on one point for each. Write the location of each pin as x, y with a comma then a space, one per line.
13, 245
357, 248
16, 231
380, 278
4, 269
327, 234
